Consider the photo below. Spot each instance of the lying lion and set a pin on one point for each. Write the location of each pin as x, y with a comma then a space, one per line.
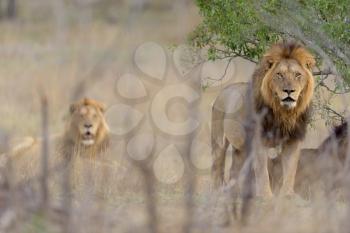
320, 166
86, 135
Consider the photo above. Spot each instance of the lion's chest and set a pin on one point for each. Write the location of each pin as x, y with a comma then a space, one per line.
276, 131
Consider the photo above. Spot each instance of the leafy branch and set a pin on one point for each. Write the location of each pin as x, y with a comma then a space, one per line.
240, 28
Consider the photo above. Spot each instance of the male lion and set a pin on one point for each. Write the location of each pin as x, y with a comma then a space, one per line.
86, 135
282, 90
86, 130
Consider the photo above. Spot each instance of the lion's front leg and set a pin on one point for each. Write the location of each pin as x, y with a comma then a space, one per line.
290, 159
263, 188
218, 166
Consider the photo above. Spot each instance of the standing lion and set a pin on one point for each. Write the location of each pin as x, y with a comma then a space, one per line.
282, 90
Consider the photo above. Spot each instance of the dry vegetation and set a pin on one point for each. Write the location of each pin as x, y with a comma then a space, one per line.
58, 51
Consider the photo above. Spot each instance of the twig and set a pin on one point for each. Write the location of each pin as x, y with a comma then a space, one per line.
322, 72
149, 190
66, 170
342, 118
247, 171
322, 84
321, 81
235, 54
7, 185
190, 183
225, 72
44, 151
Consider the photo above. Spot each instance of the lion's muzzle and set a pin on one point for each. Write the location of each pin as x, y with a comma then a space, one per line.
88, 138
288, 102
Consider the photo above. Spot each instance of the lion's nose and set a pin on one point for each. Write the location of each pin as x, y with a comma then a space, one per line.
289, 91
87, 126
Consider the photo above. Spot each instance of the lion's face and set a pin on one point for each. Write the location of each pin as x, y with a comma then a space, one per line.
288, 80
87, 120
287, 83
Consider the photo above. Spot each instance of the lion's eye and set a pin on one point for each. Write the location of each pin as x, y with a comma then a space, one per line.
279, 75
297, 75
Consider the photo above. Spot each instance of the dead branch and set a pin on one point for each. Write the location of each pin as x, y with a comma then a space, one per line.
149, 192
190, 183
247, 170
329, 109
66, 171
233, 54
44, 151
225, 72
322, 84
322, 72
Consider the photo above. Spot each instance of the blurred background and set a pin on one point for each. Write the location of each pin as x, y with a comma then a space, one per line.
59, 44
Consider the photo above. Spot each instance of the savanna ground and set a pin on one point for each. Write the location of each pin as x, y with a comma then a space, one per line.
82, 48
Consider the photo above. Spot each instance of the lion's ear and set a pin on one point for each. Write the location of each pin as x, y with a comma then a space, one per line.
98, 105
267, 62
270, 63
305, 58
310, 62
102, 107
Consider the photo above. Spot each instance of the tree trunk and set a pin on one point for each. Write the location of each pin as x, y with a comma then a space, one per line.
11, 9
1, 9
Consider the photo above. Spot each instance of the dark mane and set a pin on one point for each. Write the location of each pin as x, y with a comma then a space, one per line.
273, 130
